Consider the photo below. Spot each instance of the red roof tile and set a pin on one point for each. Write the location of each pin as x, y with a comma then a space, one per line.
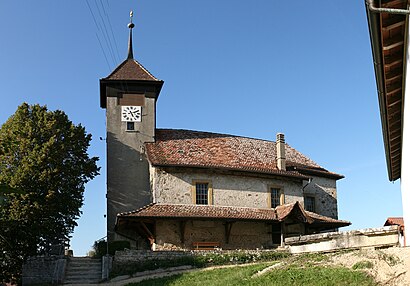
185, 148
284, 211
200, 212
278, 214
394, 221
317, 218
130, 69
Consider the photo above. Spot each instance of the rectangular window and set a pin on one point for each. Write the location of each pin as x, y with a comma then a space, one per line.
310, 203
275, 197
130, 126
201, 193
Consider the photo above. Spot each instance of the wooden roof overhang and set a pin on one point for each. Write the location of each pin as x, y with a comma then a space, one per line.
388, 23
181, 212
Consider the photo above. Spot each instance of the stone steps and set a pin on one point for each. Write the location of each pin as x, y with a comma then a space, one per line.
83, 270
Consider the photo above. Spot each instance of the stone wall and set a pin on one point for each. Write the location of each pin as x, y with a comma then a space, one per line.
44, 270
176, 186
130, 256
244, 235
325, 194
127, 257
330, 241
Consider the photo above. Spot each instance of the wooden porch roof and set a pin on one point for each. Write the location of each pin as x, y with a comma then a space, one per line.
389, 43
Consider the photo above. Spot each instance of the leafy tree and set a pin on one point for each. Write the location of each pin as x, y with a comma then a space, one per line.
44, 166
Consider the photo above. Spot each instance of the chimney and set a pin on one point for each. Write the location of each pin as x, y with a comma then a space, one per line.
280, 152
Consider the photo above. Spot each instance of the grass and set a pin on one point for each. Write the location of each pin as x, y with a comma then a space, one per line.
290, 275
198, 261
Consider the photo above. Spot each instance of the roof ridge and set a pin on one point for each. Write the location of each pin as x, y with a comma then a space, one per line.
138, 64
239, 207
117, 68
137, 210
216, 133
147, 71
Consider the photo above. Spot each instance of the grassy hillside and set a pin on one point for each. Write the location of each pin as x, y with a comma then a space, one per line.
304, 270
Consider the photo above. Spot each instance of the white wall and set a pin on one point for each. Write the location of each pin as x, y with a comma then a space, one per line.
405, 157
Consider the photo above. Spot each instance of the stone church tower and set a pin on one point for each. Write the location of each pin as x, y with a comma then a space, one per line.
129, 95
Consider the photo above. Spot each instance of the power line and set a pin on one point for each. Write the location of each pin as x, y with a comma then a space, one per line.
105, 56
109, 24
105, 33
98, 38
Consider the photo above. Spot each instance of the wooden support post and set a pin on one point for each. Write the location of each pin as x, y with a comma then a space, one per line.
282, 234
148, 233
182, 225
228, 228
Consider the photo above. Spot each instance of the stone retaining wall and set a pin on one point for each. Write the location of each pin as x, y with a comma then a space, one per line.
44, 270
127, 256
330, 241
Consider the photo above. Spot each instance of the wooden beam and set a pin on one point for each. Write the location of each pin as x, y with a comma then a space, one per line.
228, 228
390, 61
150, 236
396, 23
393, 42
282, 234
182, 225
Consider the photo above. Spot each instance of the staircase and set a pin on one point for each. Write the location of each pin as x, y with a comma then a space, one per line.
83, 270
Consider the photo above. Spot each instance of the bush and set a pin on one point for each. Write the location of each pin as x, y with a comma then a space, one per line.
100, 247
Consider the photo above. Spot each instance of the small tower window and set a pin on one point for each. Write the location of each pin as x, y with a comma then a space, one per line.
130, 126
310, 203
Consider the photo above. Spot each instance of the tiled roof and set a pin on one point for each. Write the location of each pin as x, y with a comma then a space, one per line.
186, 148
191, 211
200, 212
130, 69
317, 218
284, 211
395, 221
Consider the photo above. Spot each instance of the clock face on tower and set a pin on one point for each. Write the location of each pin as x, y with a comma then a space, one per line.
131, 113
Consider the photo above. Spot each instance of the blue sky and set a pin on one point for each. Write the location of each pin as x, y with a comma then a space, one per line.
250, 68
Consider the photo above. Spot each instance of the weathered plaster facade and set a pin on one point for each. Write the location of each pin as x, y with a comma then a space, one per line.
325, 194
128, 184
176, 186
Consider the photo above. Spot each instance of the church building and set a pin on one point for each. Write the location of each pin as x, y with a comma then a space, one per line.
182, 189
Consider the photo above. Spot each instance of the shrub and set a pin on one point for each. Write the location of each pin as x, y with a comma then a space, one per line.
100, 247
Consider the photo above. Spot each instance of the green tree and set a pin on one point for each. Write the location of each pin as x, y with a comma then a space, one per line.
44, 166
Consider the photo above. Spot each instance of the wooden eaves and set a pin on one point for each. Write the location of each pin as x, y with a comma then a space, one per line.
388, 29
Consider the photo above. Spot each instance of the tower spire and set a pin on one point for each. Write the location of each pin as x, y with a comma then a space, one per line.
130, 26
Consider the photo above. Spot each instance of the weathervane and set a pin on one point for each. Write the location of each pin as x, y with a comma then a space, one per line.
131, 14
130, 25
